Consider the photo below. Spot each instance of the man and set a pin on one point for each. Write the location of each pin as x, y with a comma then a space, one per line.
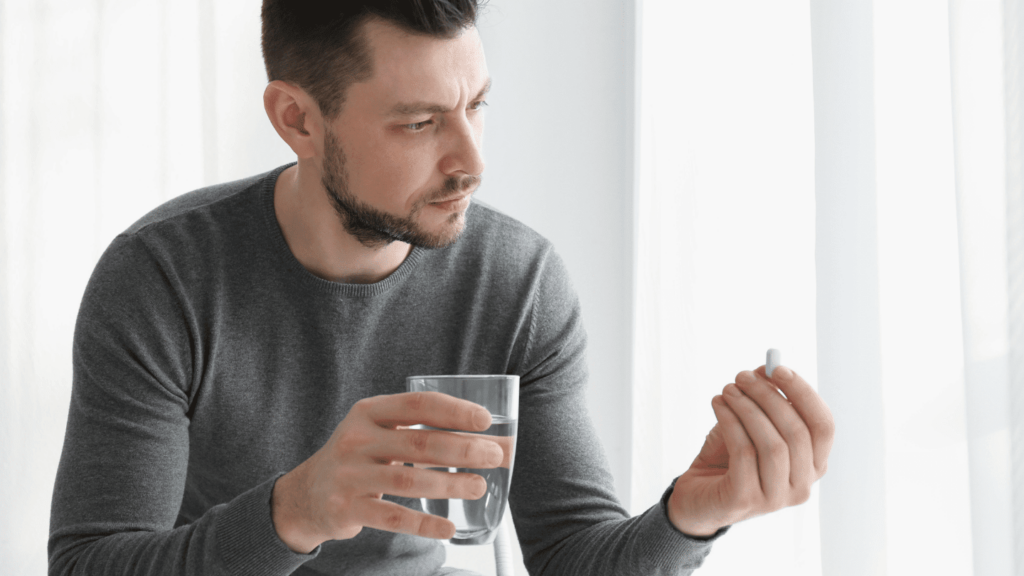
238, 404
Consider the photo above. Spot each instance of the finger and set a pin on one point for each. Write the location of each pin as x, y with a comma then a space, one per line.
813, 411
742, 453
772, 451
714, 453
412, 482
428, 408
437, 448
392, 517
790, 426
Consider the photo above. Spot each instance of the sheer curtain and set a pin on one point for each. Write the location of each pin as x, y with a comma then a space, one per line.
834, 179
988, 104
108, 108
725, 240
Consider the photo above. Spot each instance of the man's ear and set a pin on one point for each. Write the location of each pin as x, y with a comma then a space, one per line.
295, 116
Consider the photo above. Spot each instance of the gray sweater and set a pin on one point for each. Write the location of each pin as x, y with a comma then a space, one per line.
208, 362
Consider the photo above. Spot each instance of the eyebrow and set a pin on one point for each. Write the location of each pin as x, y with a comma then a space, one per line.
413, 108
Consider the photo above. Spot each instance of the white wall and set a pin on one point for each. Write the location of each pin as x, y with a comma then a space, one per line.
559, 146
559, 151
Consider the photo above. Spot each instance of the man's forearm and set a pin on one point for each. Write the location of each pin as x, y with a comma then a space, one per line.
233, 538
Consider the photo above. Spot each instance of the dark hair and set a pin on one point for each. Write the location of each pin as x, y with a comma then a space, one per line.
319, 45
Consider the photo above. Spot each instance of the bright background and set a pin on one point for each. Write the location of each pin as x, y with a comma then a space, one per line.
832, 178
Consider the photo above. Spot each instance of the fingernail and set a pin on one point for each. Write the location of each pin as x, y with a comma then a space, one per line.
482, 419
495, 455
733, 390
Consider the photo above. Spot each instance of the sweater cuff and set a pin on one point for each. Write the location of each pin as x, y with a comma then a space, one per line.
664, 514
247, 540
665, 545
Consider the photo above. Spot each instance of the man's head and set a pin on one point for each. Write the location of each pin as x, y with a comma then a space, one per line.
384, 98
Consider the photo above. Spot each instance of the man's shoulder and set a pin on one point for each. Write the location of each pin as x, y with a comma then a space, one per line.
491, 230
498, 253
200, 200
198, 234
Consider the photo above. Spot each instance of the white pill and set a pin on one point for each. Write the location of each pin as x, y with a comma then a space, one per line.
772, 361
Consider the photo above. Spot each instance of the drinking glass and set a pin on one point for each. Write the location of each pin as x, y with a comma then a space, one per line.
477, 521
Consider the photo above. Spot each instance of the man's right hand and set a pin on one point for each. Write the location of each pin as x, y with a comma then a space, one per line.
338, 490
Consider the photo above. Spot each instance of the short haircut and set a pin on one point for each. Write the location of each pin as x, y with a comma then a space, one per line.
320, 46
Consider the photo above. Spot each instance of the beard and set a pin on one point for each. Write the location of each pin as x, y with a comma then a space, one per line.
375, 228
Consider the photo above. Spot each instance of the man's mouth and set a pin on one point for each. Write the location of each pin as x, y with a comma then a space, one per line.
453, 203
451, 198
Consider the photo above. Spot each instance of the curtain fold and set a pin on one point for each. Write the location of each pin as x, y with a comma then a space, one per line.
853, 494
1013, 43
986, 57
1014, 99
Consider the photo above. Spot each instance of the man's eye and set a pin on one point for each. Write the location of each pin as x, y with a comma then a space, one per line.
478, 105
419, 126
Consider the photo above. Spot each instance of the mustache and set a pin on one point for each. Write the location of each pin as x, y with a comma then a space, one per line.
453, 185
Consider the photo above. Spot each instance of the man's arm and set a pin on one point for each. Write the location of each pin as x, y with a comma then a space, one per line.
122, 471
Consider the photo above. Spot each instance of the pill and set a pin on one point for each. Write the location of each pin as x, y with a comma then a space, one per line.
774, 358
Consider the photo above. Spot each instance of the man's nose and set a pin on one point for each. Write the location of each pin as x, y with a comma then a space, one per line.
465, 153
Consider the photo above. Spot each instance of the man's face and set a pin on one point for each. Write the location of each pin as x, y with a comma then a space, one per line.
402, 158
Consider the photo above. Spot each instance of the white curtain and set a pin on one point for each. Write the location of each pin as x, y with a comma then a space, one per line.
107, 108
833, 179
725, 240
988, 104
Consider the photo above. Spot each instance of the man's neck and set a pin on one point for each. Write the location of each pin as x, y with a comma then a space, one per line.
315, 235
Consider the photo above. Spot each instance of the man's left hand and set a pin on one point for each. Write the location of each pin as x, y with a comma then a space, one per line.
763, 454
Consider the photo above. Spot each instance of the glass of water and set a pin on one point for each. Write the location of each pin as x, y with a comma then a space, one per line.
477, 521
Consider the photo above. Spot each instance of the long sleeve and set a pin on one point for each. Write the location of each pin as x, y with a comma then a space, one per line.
122, 471
563, 501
